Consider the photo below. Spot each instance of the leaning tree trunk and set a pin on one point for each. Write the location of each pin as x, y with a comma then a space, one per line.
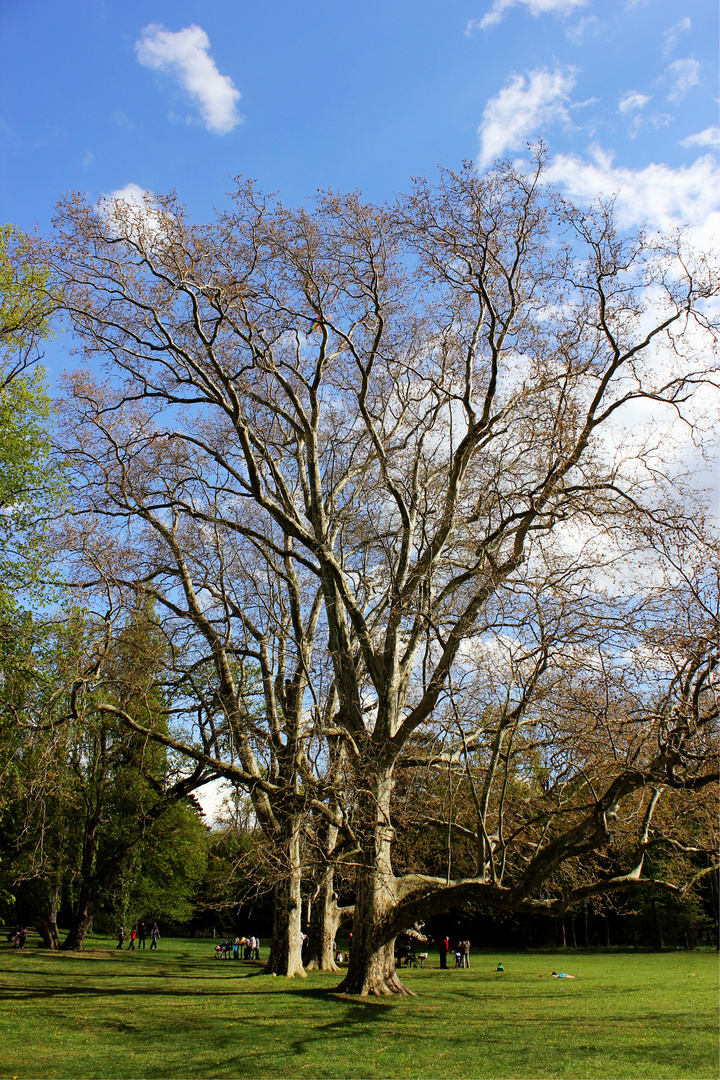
81, 922
98, 883
372, 957
286, 949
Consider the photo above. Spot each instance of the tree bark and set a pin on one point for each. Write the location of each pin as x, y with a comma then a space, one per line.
48, 931
46, 921
372, 957
286, 950
325, 918
82, 921
88, 901
40, 900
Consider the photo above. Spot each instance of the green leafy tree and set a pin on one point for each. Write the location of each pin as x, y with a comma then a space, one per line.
30, 480
169, 868
86, 799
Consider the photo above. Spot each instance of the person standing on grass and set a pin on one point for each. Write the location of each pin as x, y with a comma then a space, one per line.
154, 935
142, 934
133, 935
121, 936
444, 949
465, 948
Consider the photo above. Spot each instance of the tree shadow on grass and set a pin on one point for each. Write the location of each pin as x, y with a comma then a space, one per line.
78, 990
330, 994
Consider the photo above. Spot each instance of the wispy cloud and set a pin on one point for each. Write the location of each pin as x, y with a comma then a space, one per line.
522, 108
186, 54
683, 74
630, 105
122, 121
709, 137
632, 101
536, 7
671, 36
588, 27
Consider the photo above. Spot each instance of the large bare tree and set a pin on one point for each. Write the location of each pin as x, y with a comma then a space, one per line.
408, 413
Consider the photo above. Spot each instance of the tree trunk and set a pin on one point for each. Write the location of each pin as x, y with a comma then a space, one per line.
46, 921
286, 949
82, 920
43, 909
48, 931
372, 957
323, 926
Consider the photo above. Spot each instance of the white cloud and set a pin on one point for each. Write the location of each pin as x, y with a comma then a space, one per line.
709, 137
632, 101
674, 32
186, 55
132, 195
522, 108
684, 75
535, 7
631, 106
133, 212
657, 196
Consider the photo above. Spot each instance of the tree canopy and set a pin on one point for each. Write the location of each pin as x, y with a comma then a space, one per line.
380, 453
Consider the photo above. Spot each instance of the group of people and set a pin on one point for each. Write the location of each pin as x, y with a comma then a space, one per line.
19, 937
139, 933
461, 952
246, 948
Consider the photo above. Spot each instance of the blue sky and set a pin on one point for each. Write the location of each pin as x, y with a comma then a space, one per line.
107, 96
119, 96
307, 94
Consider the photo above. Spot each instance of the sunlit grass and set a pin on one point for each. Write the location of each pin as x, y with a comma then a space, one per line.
182, 1013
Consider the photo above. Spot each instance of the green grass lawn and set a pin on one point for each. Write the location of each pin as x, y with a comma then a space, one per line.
179, 1012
